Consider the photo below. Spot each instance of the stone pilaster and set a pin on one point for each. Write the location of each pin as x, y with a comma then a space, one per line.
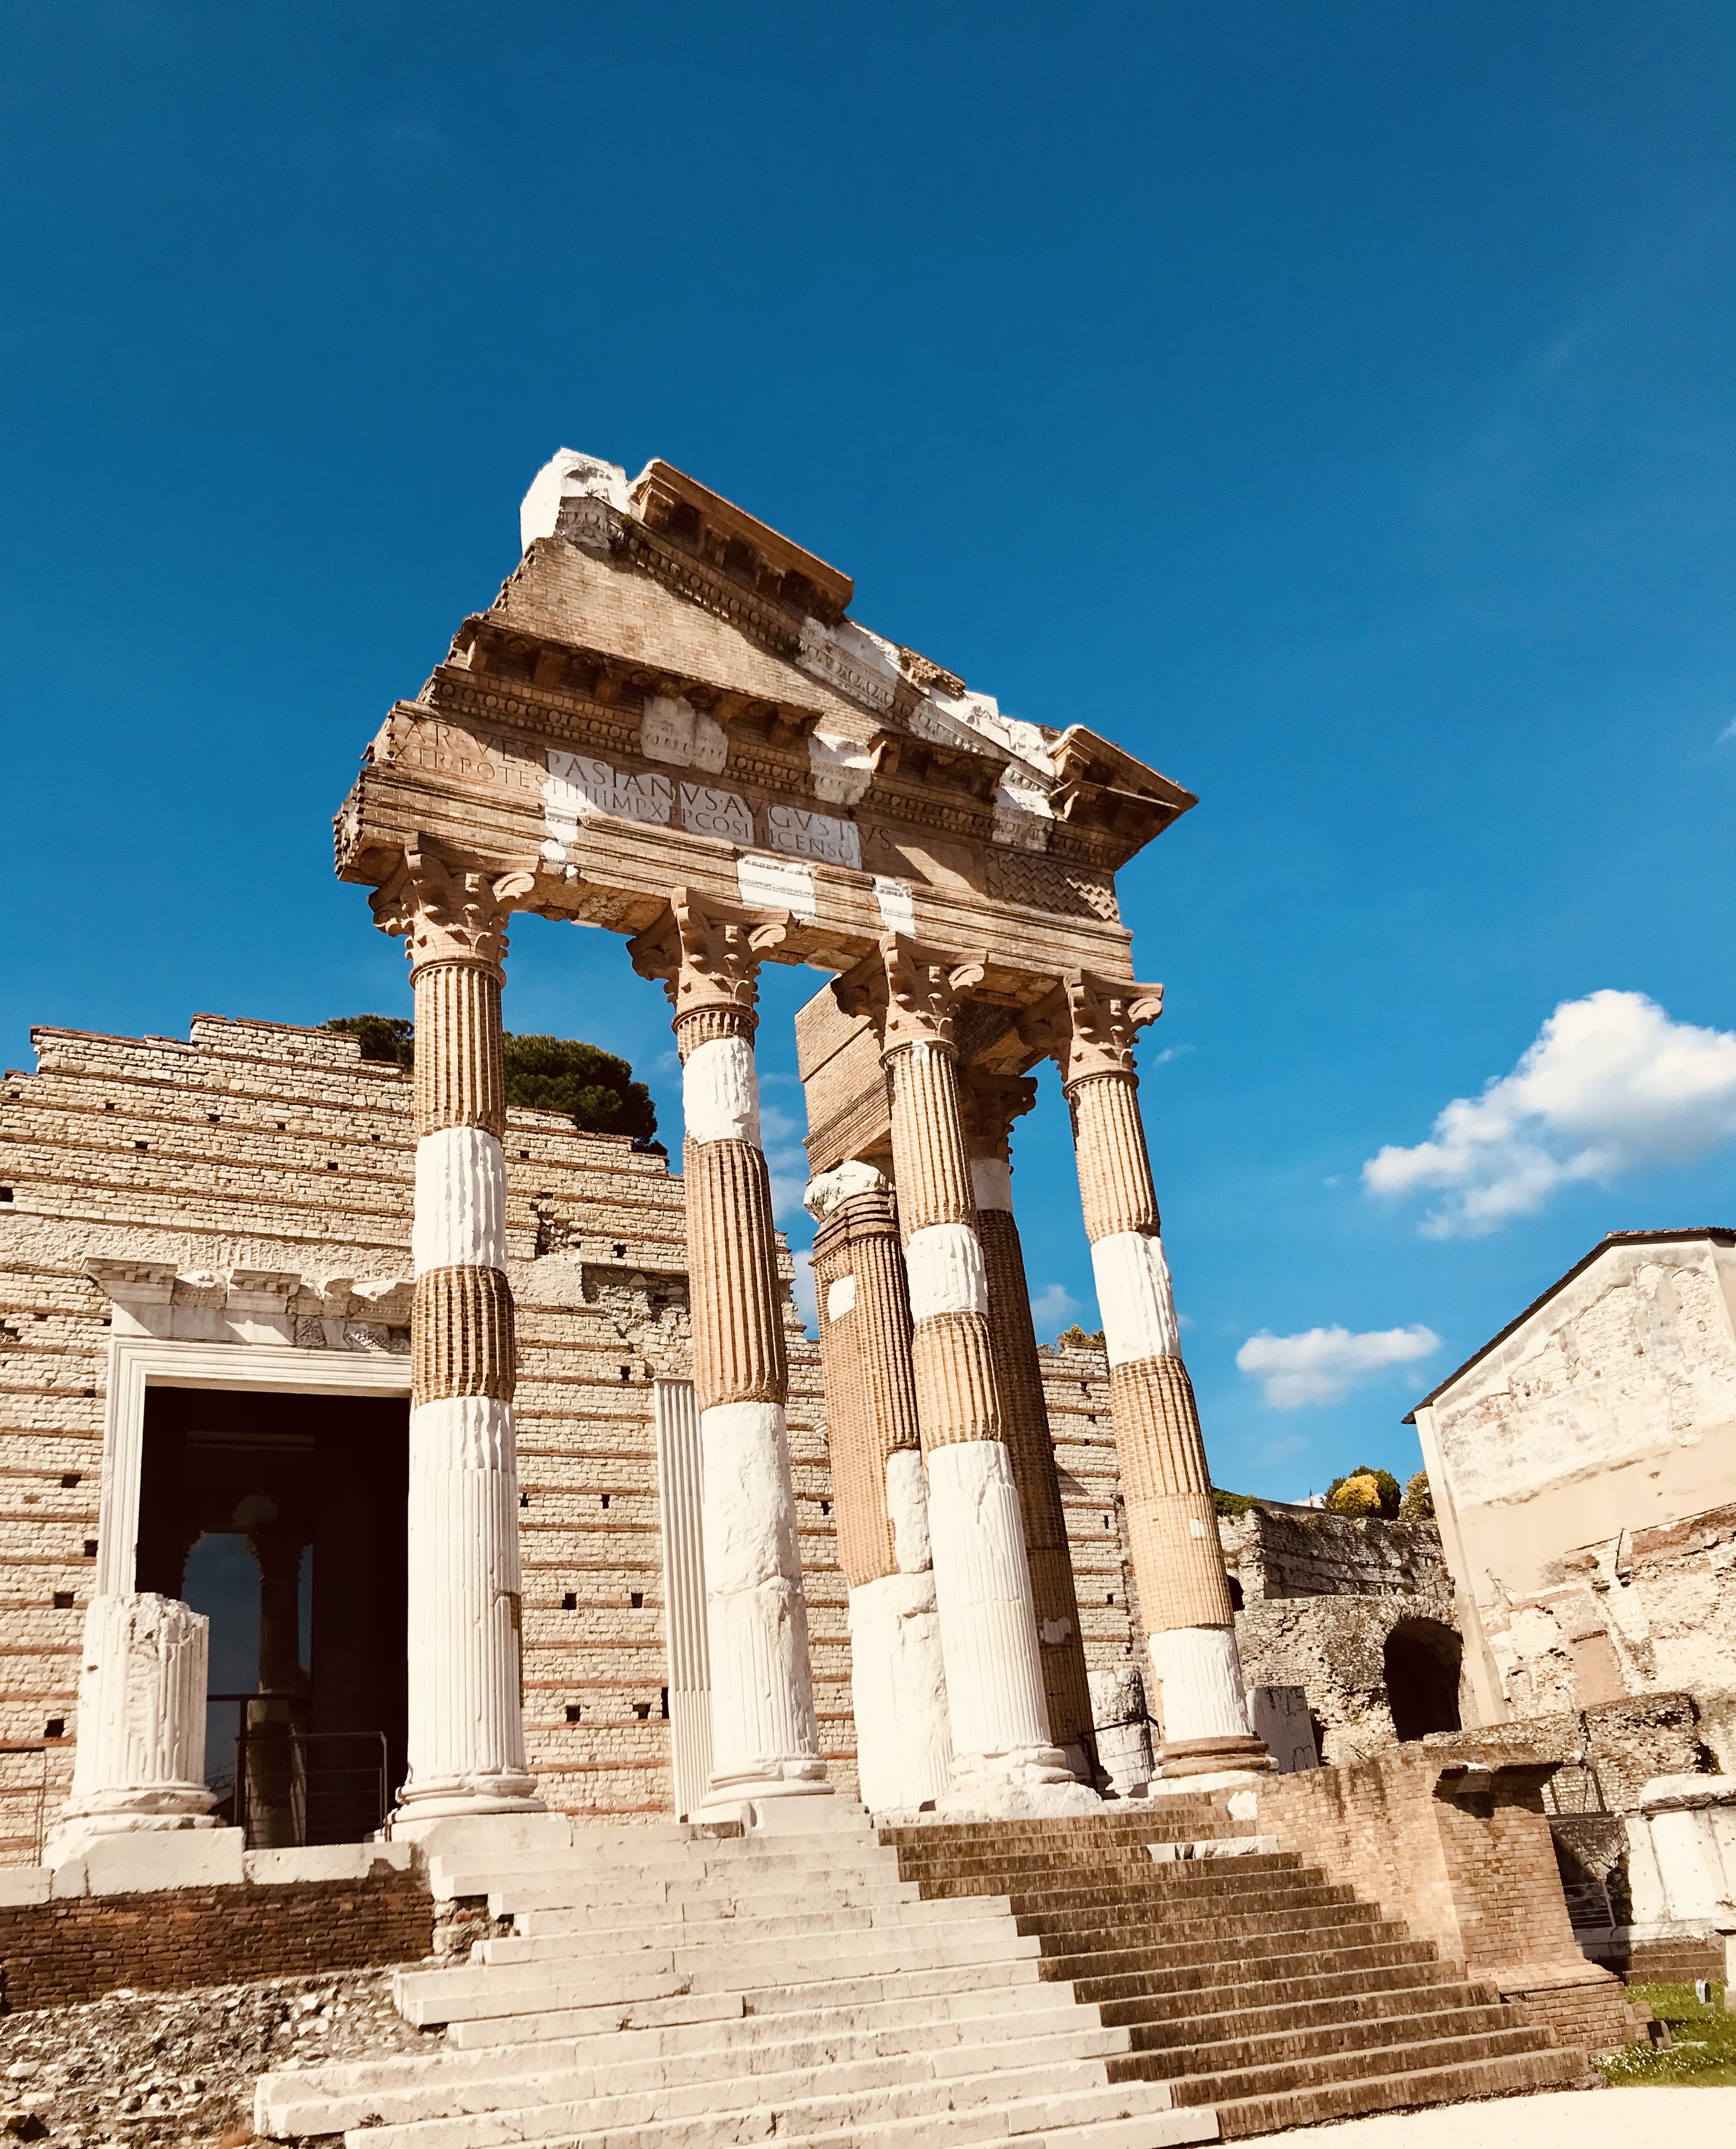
140, 1763
466, 1739
765, 1742
879, 1493
991, 1104
1003, 1757
1090, 1024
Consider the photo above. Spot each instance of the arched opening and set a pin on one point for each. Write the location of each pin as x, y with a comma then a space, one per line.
1422, 1677
1236, 1596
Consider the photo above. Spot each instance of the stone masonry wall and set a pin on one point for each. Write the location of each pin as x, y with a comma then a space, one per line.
1277, 1551
54, 1953
259, 1145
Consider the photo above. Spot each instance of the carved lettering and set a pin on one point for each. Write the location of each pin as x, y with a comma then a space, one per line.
581, 785
805, 835
721, 813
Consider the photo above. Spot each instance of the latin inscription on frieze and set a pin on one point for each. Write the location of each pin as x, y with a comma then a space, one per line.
593, 787
806, 835
724, 814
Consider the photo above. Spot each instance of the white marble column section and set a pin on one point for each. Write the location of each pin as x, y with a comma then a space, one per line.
765, 1740
879, 1493
140, 1760
466, 1742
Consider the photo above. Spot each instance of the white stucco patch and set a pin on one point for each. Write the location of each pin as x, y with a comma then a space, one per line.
568, 475
896, 904
944, 1263
841, 769
906, 1504
991, 1182
1055, 1632
827, 1190
581, 785
840, 1297
720, 1091
860, 663
1199, 1674
995, 1677
673, 730
461, 1212
1134, 1297
776, 884
898, 1686
462, 1432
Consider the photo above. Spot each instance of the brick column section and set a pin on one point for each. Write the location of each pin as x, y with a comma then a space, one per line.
1090, 1023
765, 1742
879, 1493
466, 1734
991, 1104
1003, 1759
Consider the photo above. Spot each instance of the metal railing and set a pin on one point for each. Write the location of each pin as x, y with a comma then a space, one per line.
34, 1796
293, 1786
1574, 1788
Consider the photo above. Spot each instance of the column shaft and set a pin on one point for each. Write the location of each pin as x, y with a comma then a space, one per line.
765, 1740
1003, 1755
1172, 1526
879, 1493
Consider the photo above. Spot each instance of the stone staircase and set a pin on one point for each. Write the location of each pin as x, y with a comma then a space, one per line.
1247, 1981
667, 1988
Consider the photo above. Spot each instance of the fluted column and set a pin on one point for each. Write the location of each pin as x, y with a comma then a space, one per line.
140, 1760
765, 1742
879, 1493
1090, 1024
1003, 1759
466, 1737
991, 1104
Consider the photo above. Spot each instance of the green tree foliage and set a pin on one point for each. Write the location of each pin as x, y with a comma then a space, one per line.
1364, 1491
1418, 1504
1231, 1504
592, 1088
1076, 1339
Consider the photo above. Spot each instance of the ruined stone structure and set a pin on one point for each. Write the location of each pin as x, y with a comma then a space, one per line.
1583, 1465
1357, 1613
236, 1208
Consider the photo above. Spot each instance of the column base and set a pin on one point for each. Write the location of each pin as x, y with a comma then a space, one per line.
1030, 1783
1202, 1764
512, 1791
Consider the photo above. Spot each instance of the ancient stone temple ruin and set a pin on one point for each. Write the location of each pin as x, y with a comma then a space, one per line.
757, 1741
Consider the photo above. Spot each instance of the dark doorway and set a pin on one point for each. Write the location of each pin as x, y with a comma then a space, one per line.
282, 1518
1422, 1660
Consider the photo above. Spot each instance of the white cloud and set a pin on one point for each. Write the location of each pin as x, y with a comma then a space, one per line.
1729, 733
1053, 1309
786, 1160
1322, 1365
1609, 1084
806, 1305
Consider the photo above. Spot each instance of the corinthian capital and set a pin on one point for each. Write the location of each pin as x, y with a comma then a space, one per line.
1088, 1023
990, 1103
910, 993
447, 913
706, 955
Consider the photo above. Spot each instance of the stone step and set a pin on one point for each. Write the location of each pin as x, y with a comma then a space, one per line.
1250, 1943
617, 1877
817, 1926
429, 1997
1132, 1880
1219, 1991
1114, 2118
1167, 1914
804, 2012
1203, 1814
747, 1958
717, 1899
714, 2079
1374, 1958
693, 2116
1214, 2013
1319, 2033
1357, 2095
674, 1923
1239, 2085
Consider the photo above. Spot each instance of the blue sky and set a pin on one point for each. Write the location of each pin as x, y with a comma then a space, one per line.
1332, 403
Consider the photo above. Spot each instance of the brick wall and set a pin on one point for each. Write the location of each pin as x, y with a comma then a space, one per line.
53, 1954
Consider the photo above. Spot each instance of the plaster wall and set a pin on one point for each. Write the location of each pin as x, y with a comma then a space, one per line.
1585, 1472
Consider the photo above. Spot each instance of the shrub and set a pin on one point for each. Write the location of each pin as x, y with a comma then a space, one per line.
1364, 1491
1418, 1504
1076, 1339
592, 1088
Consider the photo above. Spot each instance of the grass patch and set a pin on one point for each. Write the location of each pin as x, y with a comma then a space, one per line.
1702, 2053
